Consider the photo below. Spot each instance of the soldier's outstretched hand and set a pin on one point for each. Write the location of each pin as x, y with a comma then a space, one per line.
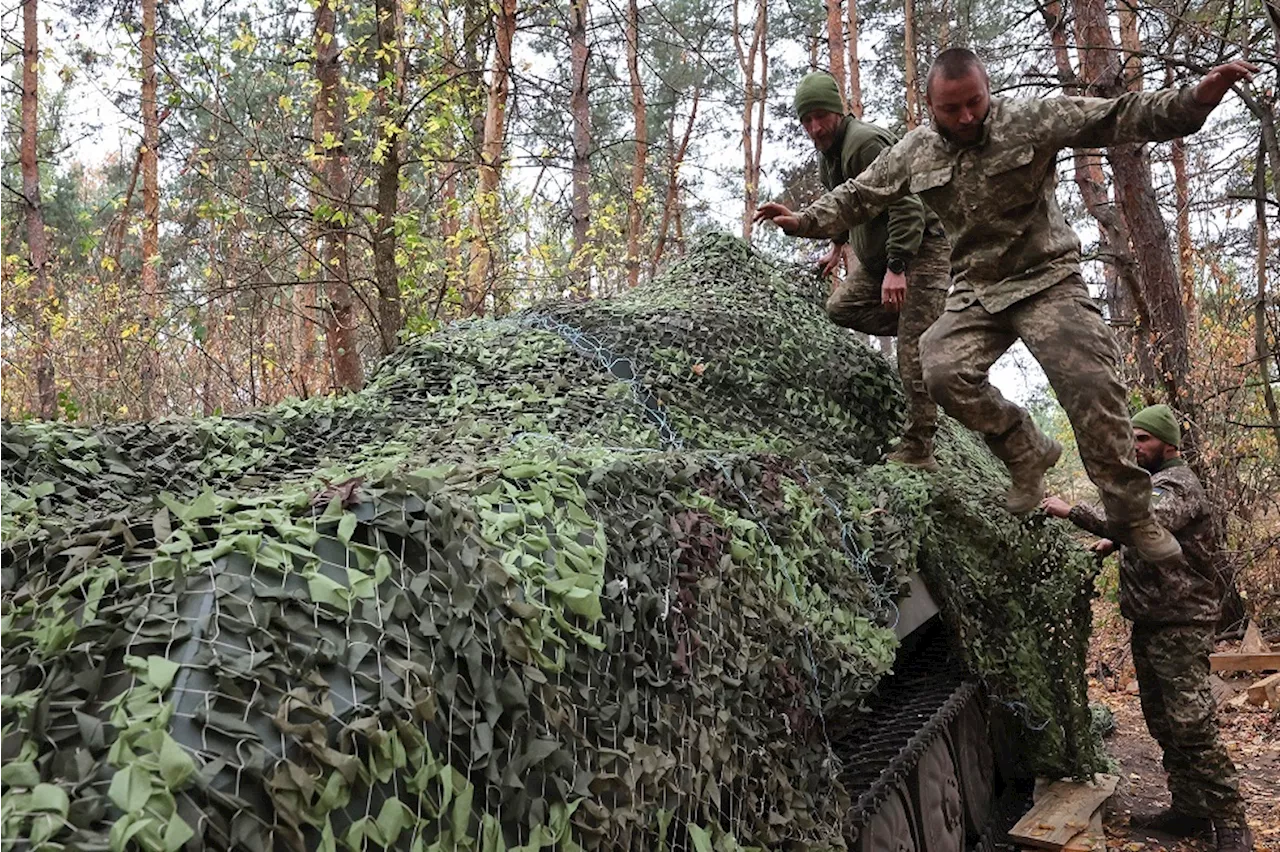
1055, 507
1209, 91
778, 214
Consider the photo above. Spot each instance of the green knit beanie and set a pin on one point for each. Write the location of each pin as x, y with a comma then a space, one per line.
818, 91
1160, 421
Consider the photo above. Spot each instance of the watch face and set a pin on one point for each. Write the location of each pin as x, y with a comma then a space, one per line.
897, 265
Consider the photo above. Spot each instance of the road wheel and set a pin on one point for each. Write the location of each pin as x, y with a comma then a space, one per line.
890, 829
936, 791
972, 738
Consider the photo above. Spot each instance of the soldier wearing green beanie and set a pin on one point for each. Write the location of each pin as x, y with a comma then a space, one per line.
1174, 606
1159, 422
896, 283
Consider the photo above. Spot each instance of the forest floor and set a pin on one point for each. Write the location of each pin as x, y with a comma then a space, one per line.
1251, 735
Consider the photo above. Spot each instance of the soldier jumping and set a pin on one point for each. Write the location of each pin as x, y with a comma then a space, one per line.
988, 167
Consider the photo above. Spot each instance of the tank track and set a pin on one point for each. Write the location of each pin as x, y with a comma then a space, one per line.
911, 711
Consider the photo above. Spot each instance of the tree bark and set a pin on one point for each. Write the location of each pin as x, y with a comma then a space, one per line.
44, 302
752, 60
1186, 249
333, 207
835, 47
675, 156
635, 202
485, 215
1264, 354
1119, 266
149, 372
391, 76
1131, 42
855, 73
580, 109
476, 19
909, 64
1159, 297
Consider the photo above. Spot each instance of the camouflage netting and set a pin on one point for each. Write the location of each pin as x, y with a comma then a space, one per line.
603, 575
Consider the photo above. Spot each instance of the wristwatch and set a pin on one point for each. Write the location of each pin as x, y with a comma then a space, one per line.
897, 265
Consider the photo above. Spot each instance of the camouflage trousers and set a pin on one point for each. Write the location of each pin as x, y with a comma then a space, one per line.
1172, 662
1065, 332
856, 304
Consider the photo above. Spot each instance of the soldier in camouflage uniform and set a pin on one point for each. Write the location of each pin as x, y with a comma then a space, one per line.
1174, 607
899, 281
988, 167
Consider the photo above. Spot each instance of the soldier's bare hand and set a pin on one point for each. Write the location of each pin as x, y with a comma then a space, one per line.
1209, 91
893, 290
829, 263
1055, 506
1103, 547
778, 214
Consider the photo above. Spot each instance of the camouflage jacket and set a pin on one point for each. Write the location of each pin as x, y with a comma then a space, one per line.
898, 230
996, 198
1186, 592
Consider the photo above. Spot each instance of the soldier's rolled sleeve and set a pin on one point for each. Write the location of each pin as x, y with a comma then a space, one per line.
1132, 117
860, 199
1090, 519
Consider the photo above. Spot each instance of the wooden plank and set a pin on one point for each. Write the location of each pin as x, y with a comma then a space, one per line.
1266, 691
1062, 812
1253, 642
1267, 662
1222, 691
1092, 839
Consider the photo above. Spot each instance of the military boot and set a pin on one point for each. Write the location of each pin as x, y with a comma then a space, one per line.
1172, 822
1152, 542
1233, 838
913, 453
1027, 453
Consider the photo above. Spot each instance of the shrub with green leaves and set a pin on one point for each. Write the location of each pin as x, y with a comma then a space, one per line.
598, 575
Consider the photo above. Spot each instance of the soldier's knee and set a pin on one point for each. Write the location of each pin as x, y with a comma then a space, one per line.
839, 315
941, 375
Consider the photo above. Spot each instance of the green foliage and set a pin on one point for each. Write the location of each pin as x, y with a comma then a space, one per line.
598, 575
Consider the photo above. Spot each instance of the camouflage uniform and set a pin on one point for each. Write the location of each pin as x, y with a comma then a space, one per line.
1016, 267
905, 229
1174, 607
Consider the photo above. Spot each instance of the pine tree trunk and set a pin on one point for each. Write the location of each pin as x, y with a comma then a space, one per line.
44, 302
909, 64
835, 47
675, 156
1186, 249
149, 372
1159, 296
1119, 268
1131, 43
639, 113
1263, 349
580, 109
752, 60
333, 203
476, 21
391, 76
855, 72
485, 217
